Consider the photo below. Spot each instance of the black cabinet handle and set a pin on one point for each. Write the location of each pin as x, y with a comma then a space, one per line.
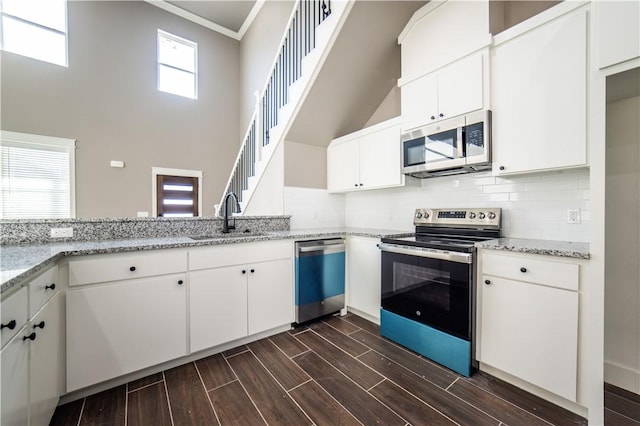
360, 184
31, 337
133, 268
39, 325
523, 269
180, 282
244, 271
441, 115
433, 117
487, 282
356, 185
501, 167
50, 287
10, 325
253, 270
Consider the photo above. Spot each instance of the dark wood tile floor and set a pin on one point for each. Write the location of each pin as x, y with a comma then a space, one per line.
334, 372
621, 407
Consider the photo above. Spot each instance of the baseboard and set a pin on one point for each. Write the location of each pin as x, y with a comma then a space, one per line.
622, 376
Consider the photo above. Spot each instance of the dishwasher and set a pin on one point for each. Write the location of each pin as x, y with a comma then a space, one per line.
320, 276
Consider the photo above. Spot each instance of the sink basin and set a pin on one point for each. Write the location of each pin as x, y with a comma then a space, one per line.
225, 236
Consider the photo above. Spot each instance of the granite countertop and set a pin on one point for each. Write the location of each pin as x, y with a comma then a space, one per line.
19, 262
545, 247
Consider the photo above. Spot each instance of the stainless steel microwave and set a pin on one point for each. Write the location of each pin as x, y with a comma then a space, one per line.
458, 145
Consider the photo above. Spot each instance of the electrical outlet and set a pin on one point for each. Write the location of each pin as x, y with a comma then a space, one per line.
573, 215
61, 232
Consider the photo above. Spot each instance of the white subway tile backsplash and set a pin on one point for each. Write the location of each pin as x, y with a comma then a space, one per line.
534, 205
313, 208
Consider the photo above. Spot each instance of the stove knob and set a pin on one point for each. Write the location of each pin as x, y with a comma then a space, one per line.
492, 215
426, 215
481, 215
472, 215
419, 215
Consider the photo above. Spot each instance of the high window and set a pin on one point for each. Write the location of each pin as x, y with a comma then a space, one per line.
35, 28
176, 192
177, 65
37, 175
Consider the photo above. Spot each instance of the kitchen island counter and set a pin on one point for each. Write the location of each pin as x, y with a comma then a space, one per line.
19, 262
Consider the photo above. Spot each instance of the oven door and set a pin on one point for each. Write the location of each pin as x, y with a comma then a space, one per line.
433, 287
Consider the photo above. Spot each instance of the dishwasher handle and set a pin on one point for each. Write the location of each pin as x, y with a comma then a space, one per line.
332, 248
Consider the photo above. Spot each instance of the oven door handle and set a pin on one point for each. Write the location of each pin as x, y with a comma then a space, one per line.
429, 253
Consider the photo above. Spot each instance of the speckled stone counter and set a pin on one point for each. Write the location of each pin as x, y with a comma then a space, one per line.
544, 247
19, 262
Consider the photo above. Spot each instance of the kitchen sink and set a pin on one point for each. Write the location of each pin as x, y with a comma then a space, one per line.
226, 236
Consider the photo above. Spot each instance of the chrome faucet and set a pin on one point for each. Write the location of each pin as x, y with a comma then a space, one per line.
226, 227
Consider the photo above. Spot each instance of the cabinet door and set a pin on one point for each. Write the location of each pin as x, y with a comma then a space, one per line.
460, 87
531, 332
363, 284
47, 361
270, 295
381, 159
539, 98
124, 327
217, 306
419, 102
617, 28
14, 314
343, 172
15, 379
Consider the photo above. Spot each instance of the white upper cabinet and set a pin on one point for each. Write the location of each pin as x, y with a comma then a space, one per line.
617, 31
454, 90
368, 159
538, 84
441, 32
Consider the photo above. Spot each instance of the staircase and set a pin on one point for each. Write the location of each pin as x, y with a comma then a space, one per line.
311, 31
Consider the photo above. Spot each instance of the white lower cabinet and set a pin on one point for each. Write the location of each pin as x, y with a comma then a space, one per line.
118, 328
32, 371
363, 276
217, 306
15, 380
231, 302
47, 366
529, 319
270, 295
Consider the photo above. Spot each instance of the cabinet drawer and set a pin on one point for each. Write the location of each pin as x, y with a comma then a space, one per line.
13, 309
532, 269
114, 267
239, 254
42, 289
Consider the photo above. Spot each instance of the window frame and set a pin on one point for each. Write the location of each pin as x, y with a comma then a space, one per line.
32, 141
159, 64
26, 21
155, 171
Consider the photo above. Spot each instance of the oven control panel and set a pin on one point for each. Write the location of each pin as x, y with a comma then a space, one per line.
482, 217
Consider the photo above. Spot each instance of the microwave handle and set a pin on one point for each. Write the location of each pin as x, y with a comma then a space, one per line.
461, 142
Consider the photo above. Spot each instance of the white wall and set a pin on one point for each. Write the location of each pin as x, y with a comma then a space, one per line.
534, 206
622, 266
313, 208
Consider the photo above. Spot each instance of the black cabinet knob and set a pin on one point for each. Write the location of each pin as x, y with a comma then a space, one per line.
50, 287
39, 325
133, 268
180, 282
433, 117
441, 115
501, 167
10, 325
244, 271
487, 282
31, 337
523, 269
356, 185
360, 184
253, 270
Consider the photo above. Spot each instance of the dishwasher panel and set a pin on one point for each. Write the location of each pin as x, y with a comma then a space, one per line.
320, 278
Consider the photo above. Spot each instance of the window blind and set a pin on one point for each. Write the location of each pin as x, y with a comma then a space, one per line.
36, 180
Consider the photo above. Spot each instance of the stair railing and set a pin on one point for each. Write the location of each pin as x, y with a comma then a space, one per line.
298, 40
